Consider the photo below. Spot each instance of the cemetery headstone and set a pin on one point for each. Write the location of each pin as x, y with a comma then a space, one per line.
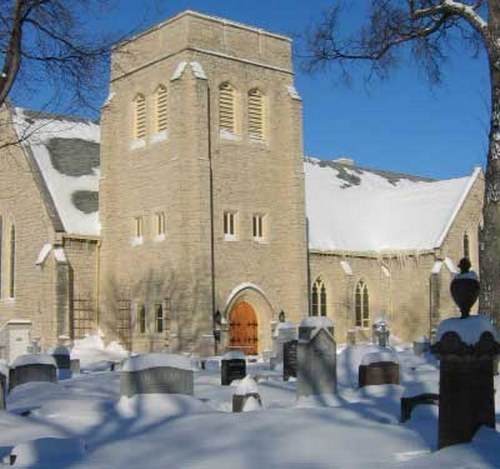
378, 368
283, 333
233, 366
317, 366
63, 362
29, 368
290, 360
246, 396
74, 364
466, 348
381, 333
156, 373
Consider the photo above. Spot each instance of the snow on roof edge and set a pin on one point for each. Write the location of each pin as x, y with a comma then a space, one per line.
475, 174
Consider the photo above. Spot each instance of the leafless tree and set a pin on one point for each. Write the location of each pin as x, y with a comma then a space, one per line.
427, 28
48, 45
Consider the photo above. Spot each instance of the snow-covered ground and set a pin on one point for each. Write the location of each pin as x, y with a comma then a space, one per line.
83, 423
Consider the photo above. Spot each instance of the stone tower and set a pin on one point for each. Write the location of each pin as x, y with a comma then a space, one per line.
202, 188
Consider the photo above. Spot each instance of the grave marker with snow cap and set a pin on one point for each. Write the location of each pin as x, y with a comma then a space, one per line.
233, 366
62, 357
29, 368
466, 347
317, 365
378, 368
156, 373
246, 397
284, 332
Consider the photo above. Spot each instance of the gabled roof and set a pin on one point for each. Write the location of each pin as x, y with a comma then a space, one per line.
66, 152
356, 209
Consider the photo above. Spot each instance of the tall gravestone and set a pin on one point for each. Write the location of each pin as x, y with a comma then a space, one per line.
284, 332
316, 354
466, 348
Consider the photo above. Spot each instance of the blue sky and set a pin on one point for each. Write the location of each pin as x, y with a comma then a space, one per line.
400, 124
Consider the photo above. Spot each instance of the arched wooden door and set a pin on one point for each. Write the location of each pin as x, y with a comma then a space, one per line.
243, 328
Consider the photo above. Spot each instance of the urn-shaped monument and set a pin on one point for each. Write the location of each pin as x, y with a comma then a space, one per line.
466, 348
464, 287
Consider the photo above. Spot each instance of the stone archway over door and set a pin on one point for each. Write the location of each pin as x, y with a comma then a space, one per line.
243, 328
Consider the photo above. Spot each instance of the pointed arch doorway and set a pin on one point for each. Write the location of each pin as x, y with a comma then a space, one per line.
243, 328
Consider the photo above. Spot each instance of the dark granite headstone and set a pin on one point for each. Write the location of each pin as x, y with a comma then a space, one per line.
290, 359
231, 369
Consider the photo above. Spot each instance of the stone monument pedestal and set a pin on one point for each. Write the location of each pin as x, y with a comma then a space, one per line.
466, 348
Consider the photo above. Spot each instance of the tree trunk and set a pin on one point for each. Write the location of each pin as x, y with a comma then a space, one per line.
490, 245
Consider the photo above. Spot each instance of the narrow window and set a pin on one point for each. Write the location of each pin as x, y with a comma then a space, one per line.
318, 298
139, 117
226, 109
362, 305
138, 229
141, 316
229, 225
466, 246
159, 318
161, 111
12, 261
160, 224
258, 226
255, 114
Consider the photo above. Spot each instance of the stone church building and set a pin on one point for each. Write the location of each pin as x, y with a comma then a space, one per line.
190, 214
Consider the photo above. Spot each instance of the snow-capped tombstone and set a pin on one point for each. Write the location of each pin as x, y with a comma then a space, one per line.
317, 366
156, 373
30, 368
246, 396
233, 366
381, 333
378, 368
63, 361
466, 348
283, 333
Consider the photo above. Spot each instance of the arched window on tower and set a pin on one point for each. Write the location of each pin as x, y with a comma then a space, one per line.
226, 109
256, 114
466, 246
362, 305
161, 109
318, 298
139, 117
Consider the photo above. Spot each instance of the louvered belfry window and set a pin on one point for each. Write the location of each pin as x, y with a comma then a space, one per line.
226, 108
139, 117
161, 109
256, 114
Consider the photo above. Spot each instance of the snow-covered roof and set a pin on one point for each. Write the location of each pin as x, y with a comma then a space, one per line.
66, 151
355, 209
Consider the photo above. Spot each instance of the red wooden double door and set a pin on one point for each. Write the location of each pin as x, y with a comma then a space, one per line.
243, 328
